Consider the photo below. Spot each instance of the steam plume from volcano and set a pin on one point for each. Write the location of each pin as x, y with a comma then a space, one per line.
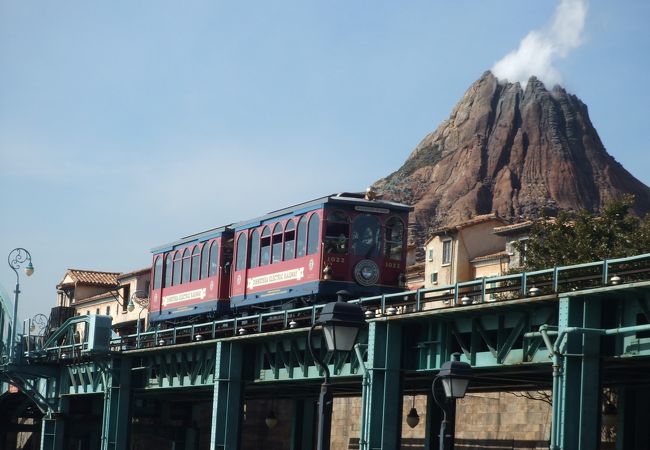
541, 48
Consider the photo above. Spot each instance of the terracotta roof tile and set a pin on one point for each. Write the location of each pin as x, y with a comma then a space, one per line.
513, 227
468, 223
498, 255
94, 277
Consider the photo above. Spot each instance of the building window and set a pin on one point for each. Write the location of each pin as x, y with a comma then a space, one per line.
446, 251
254, 257
108, 310
365, 236
205, 261
126, 295
289, 240
276, 250
169, 269
178, 259
337, 233
97, 311
430, 254
196, 263
434, 278
214, 259
302, 237
157, 272
394, 239
187, 258
241, 252
265, 247
313, 237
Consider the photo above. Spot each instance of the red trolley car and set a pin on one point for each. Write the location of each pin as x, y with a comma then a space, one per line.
314, 249
305, 252
191, 276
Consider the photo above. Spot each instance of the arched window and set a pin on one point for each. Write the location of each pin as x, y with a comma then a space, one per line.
205, 261
241, 252
187, 259
394, 238
314, 234
178, 264
196, 263
169, 269
301, 241
265, 247
337, 233
276, 251
290, 240
214, 258
254, 256
365, 236
157, 272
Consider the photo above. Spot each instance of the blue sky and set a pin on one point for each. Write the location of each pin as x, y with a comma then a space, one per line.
125, 125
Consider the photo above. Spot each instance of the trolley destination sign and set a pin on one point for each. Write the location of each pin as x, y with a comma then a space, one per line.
183, 296
277, 277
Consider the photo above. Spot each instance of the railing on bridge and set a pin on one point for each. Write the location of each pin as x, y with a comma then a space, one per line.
541, 283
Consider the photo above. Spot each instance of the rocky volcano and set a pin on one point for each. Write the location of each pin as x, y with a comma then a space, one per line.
512, 151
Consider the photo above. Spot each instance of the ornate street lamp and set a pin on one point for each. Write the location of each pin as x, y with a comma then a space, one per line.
341, 323
142, 299
16, 258
454, 376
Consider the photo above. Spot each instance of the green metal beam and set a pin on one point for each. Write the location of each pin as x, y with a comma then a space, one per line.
383, 392
116, 418
227, 409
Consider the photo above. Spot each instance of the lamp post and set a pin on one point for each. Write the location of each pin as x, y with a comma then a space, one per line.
341, 323
142, 299
16, 258
454, 376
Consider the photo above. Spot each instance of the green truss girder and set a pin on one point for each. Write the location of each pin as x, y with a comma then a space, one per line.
179, 368
287, 357
87, 377
486, 340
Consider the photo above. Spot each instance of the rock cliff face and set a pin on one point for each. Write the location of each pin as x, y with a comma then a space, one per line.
513, 152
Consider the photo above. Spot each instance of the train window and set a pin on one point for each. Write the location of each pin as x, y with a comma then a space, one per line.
337, 233
157, 272
289, 240
205, 261
254, 256
177, 268
394, 238
276, 251
169, 269
214, 258
314, 234
186, 265
265, 247
196, 263
365, 236
241, 252
302, 237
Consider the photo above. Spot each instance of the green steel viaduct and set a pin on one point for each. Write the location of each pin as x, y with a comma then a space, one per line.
571, 330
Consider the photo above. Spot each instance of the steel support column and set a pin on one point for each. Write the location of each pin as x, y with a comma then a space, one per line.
383, 412
116, 417
227, 400
52, 427
302, 426
432, 430
576, 412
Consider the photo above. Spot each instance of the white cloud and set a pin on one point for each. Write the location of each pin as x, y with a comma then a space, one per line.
539, 50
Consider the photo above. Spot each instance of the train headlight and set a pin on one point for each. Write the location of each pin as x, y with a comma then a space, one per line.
327, 272
366, 272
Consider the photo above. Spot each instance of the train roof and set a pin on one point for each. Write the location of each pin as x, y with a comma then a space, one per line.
197, 237
341, 198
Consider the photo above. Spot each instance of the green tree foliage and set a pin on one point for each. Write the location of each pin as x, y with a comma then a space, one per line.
585, 237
